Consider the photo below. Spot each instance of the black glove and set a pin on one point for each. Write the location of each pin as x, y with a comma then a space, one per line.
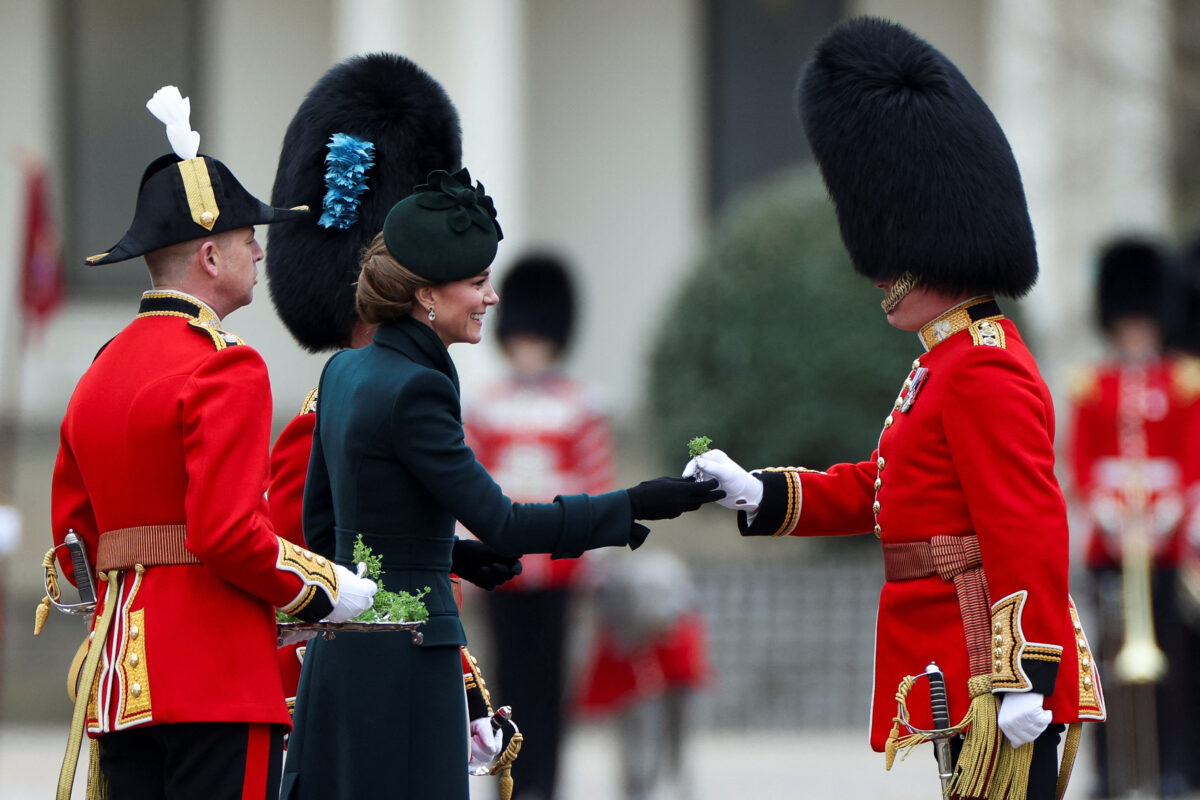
667, 497
474, 561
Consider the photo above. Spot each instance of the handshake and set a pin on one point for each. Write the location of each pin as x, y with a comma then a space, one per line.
710, 475
742, 491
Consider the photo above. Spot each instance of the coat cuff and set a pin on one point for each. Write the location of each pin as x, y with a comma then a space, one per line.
779, 511
1019, 665
591, 521
319, 589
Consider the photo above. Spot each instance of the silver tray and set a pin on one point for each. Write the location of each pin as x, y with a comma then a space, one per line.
328, 630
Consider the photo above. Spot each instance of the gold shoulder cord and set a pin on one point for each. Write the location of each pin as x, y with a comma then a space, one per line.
310, 403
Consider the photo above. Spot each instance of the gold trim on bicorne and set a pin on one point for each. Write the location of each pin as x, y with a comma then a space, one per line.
1009, 646
474, 679
1091, 695
97, 257
959, 319
316, 571
310, 403
197, 185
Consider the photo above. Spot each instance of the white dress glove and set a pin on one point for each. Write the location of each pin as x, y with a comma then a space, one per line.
743, 491
486, 743
290, 637
355, 593
1022, 717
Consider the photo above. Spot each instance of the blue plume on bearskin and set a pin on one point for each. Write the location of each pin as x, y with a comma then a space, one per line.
382, 103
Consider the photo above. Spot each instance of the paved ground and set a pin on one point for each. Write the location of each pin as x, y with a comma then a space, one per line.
725, 765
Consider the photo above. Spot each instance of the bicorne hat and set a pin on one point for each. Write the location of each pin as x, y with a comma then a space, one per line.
1132, 281
920, 172
185, 195
444, 231
537, 298
370, 130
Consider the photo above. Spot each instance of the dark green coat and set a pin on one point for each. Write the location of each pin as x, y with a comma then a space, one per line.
377, 716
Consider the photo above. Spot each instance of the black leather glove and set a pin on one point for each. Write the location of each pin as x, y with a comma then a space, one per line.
667, 497
474, 561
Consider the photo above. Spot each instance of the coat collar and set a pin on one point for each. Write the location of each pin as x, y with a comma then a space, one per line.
159, 302
419, 342
957, 319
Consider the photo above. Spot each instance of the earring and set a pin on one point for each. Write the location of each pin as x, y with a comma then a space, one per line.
432, 316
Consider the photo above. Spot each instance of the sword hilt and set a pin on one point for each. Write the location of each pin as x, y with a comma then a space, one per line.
502, 715
941, 720
83, 569
937, 696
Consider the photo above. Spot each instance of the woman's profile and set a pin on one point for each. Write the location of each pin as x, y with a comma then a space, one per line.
376, 715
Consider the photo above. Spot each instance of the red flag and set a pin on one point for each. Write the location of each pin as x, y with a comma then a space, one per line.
42, 283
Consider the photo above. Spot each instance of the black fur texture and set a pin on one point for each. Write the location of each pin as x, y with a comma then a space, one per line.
922, 177
537, 297
1133, 281
391, 102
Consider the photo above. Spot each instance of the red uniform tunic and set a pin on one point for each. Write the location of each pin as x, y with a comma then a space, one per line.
967, 449
538, 439
1135, 422
170, 426
289, 465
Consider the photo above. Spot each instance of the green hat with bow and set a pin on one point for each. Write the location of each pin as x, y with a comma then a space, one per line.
444, 231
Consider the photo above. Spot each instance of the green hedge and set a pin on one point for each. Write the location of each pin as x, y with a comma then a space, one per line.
776, 348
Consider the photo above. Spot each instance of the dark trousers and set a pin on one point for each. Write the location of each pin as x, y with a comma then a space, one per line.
1043, 773
201, 760
528, 629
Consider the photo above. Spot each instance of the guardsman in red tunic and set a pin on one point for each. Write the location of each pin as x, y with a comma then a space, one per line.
1131, 457
161, 471
961, 488
370, 130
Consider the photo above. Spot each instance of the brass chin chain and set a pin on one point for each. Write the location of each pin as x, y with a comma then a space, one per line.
903, 285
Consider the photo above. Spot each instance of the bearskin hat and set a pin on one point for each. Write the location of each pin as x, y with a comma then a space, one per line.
1183, 298
1132, 282
370, 130
919, 171
537, 297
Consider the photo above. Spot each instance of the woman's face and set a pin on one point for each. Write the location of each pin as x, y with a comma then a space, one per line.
459, 308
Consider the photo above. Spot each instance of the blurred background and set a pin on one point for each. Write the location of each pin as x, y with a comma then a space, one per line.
655, 146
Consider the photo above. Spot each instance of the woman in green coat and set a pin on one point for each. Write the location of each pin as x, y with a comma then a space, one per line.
376, 715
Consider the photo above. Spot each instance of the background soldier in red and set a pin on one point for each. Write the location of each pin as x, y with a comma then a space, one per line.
1130, 448
161, 471
539, 433
961, 488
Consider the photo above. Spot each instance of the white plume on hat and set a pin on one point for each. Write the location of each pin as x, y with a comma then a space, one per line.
174, 111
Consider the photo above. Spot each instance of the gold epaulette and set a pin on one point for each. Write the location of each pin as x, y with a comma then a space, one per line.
221, 338
988, 332
309, 406
1083, 384
1185, 378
